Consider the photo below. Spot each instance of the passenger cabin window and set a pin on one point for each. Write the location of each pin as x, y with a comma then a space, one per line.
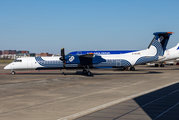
17, 60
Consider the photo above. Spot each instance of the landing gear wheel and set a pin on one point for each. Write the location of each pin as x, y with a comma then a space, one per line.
84, 72
132, 68
156, 65
89, 73
13, 73
162, 65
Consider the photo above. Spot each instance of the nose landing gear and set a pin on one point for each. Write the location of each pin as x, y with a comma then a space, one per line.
13, 72
86, 71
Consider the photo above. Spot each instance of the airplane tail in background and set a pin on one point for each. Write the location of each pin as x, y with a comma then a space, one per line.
156, 47
160, 41
177, 46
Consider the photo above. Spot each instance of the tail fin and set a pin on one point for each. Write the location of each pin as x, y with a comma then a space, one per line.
160, 41
177, 46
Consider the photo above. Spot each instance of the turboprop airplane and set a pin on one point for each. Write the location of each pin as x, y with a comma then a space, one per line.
154, 52
169, 56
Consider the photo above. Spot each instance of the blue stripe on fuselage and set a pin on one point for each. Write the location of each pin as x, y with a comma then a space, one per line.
101, 52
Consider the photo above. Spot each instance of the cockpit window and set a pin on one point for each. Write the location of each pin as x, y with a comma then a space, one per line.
17, 60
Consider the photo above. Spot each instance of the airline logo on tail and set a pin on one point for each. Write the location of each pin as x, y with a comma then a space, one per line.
160, 39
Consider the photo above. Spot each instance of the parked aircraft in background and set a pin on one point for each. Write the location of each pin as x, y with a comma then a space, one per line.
154, 52
169, 56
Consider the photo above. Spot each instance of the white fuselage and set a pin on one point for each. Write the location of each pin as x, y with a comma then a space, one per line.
115, 60
27, 63
153, 53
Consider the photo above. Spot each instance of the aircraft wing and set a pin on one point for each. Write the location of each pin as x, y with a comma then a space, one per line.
86, 59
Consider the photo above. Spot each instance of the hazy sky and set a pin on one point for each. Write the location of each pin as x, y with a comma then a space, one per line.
49, 25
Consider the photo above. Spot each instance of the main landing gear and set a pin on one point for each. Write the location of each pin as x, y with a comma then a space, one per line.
86, 71
161, 65
127, 68
132, 68
156, 65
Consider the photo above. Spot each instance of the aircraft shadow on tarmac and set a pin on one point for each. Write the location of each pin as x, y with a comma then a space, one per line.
162, 104
150, 72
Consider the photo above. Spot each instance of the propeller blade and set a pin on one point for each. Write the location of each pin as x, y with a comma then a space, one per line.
62, 58
63, 53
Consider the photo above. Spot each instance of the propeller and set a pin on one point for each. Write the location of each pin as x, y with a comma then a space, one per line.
62, 58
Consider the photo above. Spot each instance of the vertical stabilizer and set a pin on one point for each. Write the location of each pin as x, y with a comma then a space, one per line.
160, 41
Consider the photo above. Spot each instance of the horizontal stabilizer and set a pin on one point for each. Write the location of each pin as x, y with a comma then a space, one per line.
161, 57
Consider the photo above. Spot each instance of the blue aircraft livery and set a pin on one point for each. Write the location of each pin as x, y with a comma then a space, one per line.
101, 52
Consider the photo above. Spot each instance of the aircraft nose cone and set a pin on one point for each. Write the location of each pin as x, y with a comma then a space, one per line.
7, 67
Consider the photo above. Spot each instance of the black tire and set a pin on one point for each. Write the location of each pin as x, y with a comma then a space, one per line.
162, 65
13, 73
89, 73
156, 65
132, 68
